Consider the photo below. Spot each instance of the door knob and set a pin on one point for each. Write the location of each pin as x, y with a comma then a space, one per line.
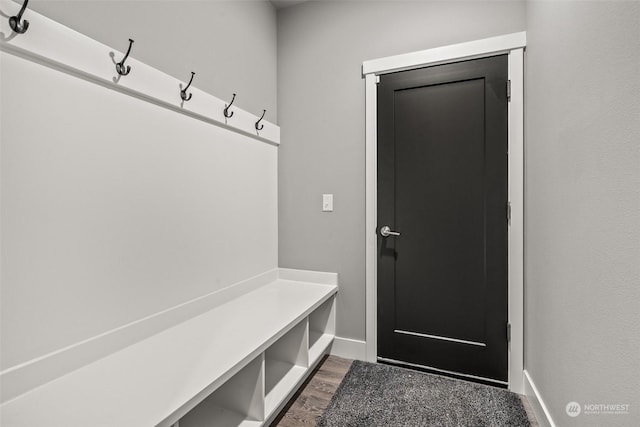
385, 231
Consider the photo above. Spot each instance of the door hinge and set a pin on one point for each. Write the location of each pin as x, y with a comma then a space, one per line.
509, 211
508, 90
508, 332
377, 79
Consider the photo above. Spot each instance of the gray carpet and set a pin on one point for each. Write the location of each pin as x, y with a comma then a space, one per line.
381, 395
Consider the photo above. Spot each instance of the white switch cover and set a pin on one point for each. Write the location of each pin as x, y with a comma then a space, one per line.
327, 203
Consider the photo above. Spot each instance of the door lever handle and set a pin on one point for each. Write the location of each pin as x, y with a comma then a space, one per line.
385, 231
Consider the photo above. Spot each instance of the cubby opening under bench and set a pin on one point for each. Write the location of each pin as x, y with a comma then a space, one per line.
236, 364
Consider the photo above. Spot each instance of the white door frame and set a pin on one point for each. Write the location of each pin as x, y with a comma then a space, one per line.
513, 45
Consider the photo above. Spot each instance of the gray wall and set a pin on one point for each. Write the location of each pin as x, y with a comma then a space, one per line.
321, 46
583, 206
230, 45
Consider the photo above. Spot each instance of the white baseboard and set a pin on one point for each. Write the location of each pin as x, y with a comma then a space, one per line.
543, 416
349, 348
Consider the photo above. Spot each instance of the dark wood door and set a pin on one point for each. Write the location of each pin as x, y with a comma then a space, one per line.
442, 184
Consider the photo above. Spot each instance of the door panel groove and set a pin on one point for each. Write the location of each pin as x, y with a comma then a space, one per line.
437, 337
440, 84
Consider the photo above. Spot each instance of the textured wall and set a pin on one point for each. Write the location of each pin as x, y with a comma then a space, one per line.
583, 206
321, 46
231, 45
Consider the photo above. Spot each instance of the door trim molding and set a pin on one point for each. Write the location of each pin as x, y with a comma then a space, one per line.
438, 55
513, 45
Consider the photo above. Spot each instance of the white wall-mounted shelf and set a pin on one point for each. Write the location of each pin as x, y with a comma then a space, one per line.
57, 46
236, 364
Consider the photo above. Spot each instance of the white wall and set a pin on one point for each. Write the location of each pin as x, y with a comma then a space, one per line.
321, 46
113, 209
231, 45
583, 207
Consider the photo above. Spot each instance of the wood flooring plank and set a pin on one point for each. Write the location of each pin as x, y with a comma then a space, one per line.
315, 394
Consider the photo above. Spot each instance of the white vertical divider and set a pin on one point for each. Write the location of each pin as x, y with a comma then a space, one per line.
330, 327
331, 324
57, 46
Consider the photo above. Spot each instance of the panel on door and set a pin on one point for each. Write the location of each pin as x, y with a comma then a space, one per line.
442, 184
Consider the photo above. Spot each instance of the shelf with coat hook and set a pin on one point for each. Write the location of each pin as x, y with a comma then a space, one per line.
90, 60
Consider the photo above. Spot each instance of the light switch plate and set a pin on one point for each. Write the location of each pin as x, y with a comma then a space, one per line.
327, 203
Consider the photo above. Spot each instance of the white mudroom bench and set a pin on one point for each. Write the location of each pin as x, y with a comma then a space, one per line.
236, 364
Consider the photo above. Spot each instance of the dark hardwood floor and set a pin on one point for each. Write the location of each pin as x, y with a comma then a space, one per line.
313, 397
